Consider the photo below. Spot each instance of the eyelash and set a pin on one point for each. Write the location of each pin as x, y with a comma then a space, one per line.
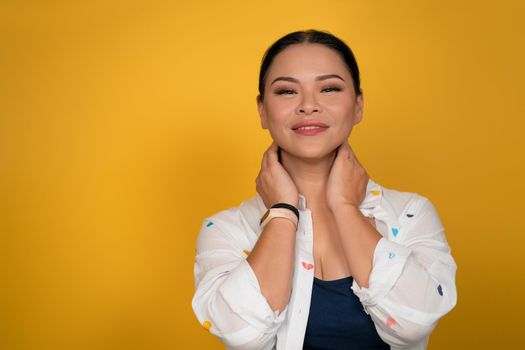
285, 92
292, 91
332, 88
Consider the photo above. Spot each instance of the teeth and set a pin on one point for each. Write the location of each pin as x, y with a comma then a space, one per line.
308, 127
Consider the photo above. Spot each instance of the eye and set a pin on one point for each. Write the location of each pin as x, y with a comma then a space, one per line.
285, 92
331, 89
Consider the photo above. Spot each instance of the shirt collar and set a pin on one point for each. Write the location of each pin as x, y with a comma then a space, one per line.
372, 199
371, 206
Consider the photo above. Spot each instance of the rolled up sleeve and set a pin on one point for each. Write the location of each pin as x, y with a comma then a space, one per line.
412, 282
228, 299
388, 263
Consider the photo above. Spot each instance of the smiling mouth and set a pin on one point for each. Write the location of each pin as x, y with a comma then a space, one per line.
310, 130
310, 127
309, 124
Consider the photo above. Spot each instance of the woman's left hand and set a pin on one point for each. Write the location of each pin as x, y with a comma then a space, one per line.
347, 180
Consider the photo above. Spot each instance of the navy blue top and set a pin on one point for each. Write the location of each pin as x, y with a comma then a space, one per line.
337, 319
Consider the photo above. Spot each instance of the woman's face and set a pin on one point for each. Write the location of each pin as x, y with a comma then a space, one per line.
310, 105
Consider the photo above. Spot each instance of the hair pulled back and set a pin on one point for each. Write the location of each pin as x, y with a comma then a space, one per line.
310, 36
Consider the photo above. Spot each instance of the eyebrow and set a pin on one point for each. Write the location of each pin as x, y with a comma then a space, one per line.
318, 78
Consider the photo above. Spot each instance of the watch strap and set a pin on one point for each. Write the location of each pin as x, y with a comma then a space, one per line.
273, 213
287, 206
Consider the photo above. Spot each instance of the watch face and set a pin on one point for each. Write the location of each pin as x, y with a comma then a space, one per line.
265, 216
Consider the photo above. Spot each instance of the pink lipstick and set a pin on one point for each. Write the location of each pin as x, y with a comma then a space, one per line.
309, 128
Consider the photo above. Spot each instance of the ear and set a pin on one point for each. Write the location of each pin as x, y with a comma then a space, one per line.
262, 112
359, 109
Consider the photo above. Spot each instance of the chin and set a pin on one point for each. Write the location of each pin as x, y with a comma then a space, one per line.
312, 153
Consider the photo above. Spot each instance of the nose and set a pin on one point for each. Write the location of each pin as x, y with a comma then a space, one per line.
308, 105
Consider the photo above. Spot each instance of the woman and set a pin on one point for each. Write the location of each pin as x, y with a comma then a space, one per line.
323, 257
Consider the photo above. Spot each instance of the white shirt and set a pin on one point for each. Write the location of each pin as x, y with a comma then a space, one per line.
411, 285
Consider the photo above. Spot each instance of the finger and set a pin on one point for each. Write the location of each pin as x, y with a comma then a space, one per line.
338, 153
272, 154
343, 150
265, 156
349, 150
263, 160
356, 160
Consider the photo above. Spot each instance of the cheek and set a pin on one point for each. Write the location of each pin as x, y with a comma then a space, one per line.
278, 112
342, 112
344, 116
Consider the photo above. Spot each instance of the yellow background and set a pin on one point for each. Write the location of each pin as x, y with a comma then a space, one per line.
124, 124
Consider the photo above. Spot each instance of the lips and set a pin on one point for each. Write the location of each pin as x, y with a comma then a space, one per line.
309, 126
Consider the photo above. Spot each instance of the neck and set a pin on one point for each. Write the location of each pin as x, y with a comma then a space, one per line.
309, 175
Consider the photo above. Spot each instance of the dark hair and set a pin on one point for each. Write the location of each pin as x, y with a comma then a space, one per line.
310, 36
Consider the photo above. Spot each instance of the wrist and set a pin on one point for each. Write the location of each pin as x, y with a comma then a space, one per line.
280, 210
294, 202
345, 209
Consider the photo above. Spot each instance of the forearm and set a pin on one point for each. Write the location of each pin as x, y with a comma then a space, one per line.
228, 299
272, 260
359, 240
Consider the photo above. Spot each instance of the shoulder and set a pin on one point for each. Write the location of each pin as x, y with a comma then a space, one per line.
402, 202
413, 212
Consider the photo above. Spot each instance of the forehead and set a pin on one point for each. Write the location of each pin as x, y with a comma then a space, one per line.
307, 59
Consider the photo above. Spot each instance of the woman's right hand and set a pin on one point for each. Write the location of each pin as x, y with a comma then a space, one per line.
273, 183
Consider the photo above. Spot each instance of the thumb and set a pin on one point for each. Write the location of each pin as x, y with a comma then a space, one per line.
344, 149
273, 153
